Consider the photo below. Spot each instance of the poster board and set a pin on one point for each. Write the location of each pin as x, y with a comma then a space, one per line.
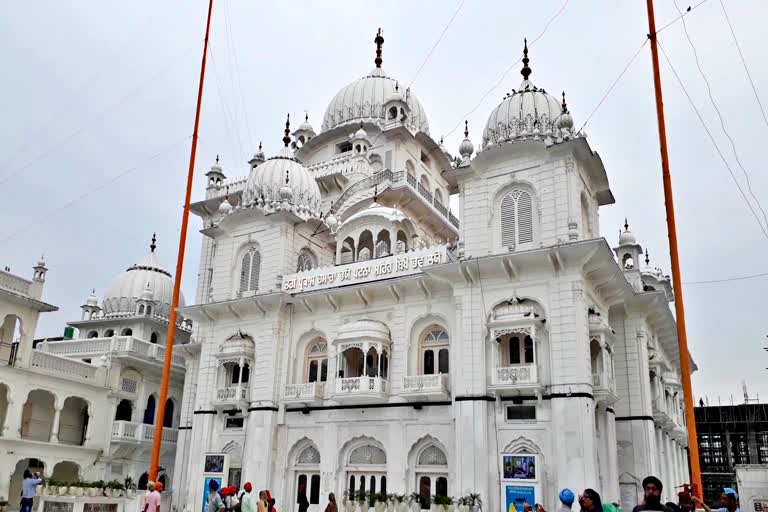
215, 467
207, 481
517, 496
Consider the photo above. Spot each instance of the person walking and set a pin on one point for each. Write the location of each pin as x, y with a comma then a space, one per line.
302, 499
29, 490
154, 499
262, 505
270, 502
590, 501
246, 500
567, 498
214, 503
331, 506
729, 502
652, 488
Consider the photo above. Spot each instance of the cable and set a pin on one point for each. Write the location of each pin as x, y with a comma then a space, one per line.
728, 279
511, 66
744, 63
224, 109
687, 11
440, 38
234, 77
613, 84
237, 74
720, 117
90, 123
90, 191
711, 138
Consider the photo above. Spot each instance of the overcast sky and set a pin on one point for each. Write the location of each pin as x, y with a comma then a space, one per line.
98, 101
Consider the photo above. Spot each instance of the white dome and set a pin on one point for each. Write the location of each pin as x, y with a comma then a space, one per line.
267, 188
369, 330
529, 112
128, 287
627, 238
378, 211
364, 100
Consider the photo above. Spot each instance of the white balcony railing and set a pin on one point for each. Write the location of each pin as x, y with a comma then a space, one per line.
603, 382
425, 384
64, 366
361, 386
14, 283
115, 344
306, 392
515, 375
129, 431
232, 394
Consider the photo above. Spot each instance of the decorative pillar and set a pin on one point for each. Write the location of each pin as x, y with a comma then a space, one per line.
13, 418
239, 390
365, 359
54, 438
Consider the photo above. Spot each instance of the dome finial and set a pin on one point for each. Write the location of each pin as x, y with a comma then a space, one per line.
287, 136
565, 107
647, 259
306, 116
526, 71
217, 158
379, 40
466, 129
153, 245
626, 224
259, 145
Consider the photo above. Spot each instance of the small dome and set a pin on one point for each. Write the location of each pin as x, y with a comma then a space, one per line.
626, 237
377, 210
41, 261
527, 112
225, 207
92, 300
466, 148
121, 296
364, 100
445, 150
258, 157
360, 133
281, 179
372, 330
147, 293
306, 126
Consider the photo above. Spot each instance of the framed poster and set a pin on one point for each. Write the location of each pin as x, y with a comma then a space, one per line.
518, 496
518, 467
206, 481
214, 463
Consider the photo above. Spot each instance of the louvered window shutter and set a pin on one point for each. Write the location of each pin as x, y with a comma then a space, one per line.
524, 218
245, 270
508, 221
255, 269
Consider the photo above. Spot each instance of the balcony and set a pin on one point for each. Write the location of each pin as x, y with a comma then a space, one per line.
303, 393
361, 389
129, 432
604, 388
119, 345
434, 387
515, 379
232, 397
67, 368
660, 415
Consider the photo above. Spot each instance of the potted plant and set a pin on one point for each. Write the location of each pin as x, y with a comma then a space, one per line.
3, 505
114, 489
442, 503
63, 488
47, 487
130, 486
474, 502
379, 502
360, 498
99, 486
348, 501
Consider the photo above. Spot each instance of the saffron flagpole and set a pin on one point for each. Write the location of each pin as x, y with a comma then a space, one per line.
682, 340
160, 415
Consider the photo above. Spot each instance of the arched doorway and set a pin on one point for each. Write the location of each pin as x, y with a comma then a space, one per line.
168, 415
37, 416
143, 480
307, 476
11, 332
66, 471
124, 410
149, 411
73, 422
14, 491
3, 406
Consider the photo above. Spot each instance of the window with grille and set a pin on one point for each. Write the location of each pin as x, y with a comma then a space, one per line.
306, 261
762, 447
317, 362
234, 422
521, 412
249, 270
516, 218
367, 454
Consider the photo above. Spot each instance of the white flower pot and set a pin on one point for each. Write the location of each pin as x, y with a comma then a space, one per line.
62, 491
108, 492
474, 508
379, 506
402, 507
92, 492
391, 506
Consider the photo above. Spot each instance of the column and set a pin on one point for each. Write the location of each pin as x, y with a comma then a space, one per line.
56, 419
365, 359
238, 391
613, 459
13, 418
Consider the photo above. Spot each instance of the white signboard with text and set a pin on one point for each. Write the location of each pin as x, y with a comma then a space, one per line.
398, 265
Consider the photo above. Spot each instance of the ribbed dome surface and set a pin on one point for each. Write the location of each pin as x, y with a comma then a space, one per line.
527, 109
266, 186
364, 99
128, 287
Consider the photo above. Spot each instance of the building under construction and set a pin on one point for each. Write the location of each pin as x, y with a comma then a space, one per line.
730, 435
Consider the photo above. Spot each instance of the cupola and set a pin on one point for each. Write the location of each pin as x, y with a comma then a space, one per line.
628, 251
216, 175
304, 133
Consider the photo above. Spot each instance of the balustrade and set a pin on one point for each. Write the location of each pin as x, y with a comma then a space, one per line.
425, 385
130, 431
305, 392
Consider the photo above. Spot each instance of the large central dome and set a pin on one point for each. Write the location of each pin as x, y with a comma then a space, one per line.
364, 100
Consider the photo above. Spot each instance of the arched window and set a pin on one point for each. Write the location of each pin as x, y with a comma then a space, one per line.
153, 337
439, 196
141, 309
149, 310
168, 415
402, 242
365, 246
347, 251
586, 218
124, 411
434, 351
382, 244
516, 218
628, 262
149, 412
306, 260
250, 266
93, 334
127, 332
519, 349
109, 333
317, 361
431, 474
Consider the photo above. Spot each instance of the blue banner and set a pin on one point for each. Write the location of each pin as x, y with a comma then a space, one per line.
205, 488
518, 495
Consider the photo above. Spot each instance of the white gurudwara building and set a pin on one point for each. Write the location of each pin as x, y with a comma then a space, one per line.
82, 408
353, 333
